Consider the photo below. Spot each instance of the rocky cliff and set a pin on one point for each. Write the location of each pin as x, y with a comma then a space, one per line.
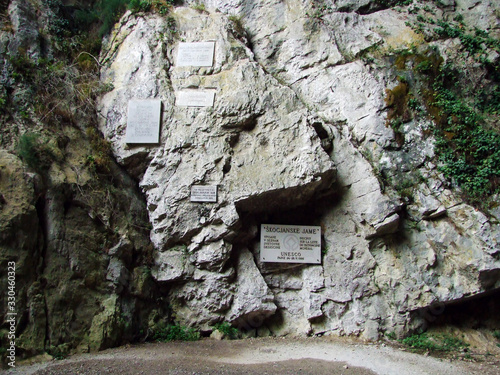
328, 113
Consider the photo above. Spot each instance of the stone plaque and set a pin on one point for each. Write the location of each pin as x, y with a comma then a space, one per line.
290, 243
204, 193
196, 54
143, 121
195, 98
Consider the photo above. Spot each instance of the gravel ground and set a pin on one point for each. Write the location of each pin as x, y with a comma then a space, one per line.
314, 356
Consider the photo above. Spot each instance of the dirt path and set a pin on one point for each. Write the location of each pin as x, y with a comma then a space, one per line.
314, 356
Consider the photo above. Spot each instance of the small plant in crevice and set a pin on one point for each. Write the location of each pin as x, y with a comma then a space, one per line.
237, 26
100, 159
200, 7
405, 188
319, 9
36, 152
160, 6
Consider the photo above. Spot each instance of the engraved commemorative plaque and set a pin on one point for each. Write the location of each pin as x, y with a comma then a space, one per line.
290, 243
203, 193
195, 98
143, 121
196, 54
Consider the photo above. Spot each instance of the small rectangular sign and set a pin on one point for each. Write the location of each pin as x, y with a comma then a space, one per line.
195, 98
204, 193
290, 243
143, 121
196, 54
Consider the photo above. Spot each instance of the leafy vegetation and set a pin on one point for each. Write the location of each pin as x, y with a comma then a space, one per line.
465, 118
237, 25
227, 330
434, 343
91, 23
496, 334
175, 333
56, 93
469, 151
59, 352
100, 159
200, 7
391, 335
160, 6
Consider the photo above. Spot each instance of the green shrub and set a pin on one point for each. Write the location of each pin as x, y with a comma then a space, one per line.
175, 333
227, 330
420, 341
443, 343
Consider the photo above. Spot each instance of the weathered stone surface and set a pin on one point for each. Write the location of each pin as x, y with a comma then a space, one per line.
26, 31
307, 112
172, 264
117, 274
261, 150
204, 300
298, 133
213, 256
253, 299
122, 250
60, 220
104, 328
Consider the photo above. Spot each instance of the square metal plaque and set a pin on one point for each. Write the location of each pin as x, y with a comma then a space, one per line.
195, 98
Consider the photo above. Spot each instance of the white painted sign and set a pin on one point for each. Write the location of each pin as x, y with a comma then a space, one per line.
196, 54
195, 98
143, 121
204, 193
290, 243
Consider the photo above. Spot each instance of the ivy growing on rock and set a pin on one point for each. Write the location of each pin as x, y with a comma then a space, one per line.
465, 118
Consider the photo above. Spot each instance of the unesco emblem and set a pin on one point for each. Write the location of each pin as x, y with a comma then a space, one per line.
291, 242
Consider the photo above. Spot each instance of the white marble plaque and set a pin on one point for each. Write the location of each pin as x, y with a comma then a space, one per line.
290, 243
196, 54
195, 98
204, 193
143, 121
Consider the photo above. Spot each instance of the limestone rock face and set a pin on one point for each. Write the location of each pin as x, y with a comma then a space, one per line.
298, 134
257, 144
75, 236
